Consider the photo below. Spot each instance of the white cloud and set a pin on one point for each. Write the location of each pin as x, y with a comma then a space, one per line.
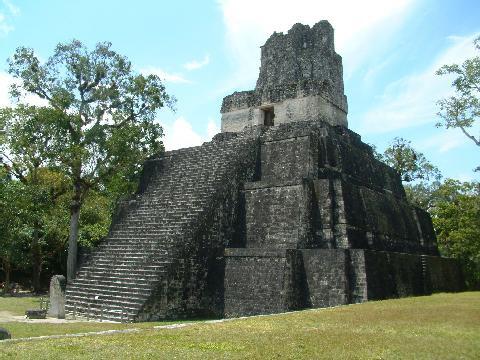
212, 129
5, 81
165, 76
411, 101
376, 70
248, 29
5, 28
180, 134
197, 64
443, 142
466, 177
14, 10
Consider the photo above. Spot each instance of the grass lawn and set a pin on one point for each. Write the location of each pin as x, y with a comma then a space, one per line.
442, 326
30, 329
18, 305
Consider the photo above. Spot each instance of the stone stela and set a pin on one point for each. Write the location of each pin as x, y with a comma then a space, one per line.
285, 209
57, 297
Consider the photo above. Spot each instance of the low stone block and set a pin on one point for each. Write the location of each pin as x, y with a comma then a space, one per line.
36, 314
5, 334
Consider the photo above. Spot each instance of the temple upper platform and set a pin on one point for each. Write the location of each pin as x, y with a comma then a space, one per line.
300, 79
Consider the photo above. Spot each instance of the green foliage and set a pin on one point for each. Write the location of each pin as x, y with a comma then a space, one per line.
455, 210
13, 208
456, 218
96, 130
422, 194
410, 164
462, 110
95, 218
29, 240
104, 112
100, 114
454, 206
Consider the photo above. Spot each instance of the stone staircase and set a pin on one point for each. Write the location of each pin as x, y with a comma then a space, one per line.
122, 273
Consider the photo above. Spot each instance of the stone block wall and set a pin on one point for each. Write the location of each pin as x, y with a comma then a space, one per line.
277, 215
262, 281
327, 277
256, 282
299, 109
286, 159
443, 274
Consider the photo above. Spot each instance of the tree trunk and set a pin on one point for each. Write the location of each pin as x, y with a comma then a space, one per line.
36, 259
73, 235
73, 242
7, 269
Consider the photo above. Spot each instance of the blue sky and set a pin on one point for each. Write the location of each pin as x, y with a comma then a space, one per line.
205, 50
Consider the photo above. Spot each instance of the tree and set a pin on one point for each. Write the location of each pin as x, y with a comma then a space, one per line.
102, 121
410, 164
456, 218
454, 206
24, 155
12, 210
422, 194
462, 110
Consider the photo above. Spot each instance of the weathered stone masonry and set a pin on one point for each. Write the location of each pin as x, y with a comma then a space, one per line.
301, 74
285, 209
321, 231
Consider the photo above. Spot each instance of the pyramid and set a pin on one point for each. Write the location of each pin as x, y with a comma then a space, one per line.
285, 209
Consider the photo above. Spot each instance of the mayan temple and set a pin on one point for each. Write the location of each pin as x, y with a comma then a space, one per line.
285, 209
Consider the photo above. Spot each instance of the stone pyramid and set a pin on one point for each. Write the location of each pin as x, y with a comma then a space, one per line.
285, 209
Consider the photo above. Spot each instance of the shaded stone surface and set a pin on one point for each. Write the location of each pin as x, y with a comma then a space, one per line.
58, 284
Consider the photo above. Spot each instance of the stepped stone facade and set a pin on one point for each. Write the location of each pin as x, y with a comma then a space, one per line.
285, 209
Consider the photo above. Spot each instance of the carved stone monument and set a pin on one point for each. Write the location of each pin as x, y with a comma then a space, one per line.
57, 297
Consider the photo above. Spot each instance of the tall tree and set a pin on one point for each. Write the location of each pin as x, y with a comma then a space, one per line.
24, 151
462, 110
456, 218
104, 116
13, 203
420, 177
410, 164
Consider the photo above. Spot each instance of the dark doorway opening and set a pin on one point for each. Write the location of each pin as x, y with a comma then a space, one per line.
268, 116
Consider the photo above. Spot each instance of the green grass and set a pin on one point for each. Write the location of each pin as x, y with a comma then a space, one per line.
17, 305
29, 329
442, 326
